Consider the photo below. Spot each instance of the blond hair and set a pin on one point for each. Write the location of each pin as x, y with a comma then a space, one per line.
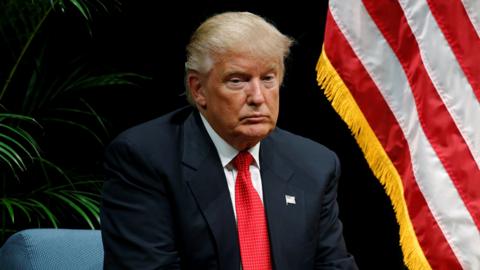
235, 32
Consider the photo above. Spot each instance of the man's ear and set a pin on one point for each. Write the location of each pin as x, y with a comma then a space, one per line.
197, 89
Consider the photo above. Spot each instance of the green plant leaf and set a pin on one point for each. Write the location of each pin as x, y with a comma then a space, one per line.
22, 20
88, 194
57, 169
18, 144
75, 124
89, 204
92, 113
74, 206
36, 148
72, 110
7, 161
116, 79
34, 88
82, 8
51, 217
25, 136
11, 154
25, 28
97, 117
9, 207
61, 83
4, 116
22, 206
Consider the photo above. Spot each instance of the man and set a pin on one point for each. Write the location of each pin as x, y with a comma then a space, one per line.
217, 185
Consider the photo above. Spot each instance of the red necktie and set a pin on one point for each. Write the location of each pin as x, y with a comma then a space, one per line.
251, 221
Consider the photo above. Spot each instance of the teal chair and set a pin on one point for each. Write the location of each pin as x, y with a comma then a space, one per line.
52, 249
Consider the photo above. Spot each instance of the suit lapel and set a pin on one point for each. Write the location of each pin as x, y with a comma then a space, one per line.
283, 219
206, 179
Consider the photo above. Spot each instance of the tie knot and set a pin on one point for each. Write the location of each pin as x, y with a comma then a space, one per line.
242, 160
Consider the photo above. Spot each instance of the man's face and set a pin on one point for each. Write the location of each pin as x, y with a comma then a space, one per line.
240, 97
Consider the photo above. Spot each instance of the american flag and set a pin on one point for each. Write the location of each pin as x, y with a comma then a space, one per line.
405, 77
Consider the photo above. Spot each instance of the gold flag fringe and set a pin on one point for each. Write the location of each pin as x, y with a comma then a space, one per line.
344, 104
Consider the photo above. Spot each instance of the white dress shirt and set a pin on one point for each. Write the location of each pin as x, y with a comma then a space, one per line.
227, 153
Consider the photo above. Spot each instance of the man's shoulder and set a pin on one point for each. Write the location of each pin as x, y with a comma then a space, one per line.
294, 143
303, 152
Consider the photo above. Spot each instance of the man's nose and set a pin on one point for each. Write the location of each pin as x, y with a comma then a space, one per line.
255, 93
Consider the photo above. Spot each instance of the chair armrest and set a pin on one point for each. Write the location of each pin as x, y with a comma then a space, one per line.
53, 249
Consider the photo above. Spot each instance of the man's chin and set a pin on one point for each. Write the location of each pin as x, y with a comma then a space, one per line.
256, 132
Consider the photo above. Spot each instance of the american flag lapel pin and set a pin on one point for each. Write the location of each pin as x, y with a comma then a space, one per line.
289, 199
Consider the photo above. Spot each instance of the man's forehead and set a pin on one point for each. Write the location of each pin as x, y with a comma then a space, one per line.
243, 64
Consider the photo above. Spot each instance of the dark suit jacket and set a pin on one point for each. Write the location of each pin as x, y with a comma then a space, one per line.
166, 203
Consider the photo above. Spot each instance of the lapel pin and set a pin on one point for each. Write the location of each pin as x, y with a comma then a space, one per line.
289, 199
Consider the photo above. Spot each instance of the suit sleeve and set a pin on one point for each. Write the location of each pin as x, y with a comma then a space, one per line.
136, 215
331, 251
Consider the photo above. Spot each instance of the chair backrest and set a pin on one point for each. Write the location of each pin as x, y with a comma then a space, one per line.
52, 249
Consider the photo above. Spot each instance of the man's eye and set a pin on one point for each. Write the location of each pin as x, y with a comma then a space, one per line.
235, 83
269, 81
269, 78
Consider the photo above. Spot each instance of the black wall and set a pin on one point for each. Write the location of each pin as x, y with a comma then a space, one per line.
149, 37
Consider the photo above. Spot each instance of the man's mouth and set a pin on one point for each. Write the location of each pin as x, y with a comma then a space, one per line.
254, 118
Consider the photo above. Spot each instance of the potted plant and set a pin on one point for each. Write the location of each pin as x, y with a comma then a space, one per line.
44, 104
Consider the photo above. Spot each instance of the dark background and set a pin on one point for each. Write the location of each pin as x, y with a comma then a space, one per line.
149, 37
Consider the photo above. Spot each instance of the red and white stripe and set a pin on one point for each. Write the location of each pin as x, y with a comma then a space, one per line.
472, 7
413, 67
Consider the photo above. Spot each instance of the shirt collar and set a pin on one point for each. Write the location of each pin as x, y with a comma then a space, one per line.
227, 152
